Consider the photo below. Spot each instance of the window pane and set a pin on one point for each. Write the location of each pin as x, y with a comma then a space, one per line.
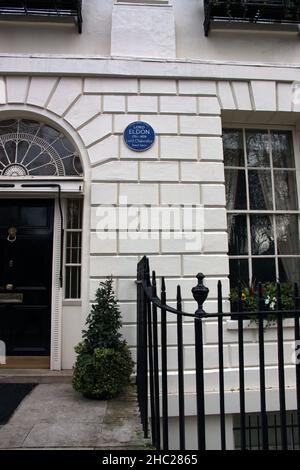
238, 241
289, 269
282, 149
74, 214
257, 148
73, 274
239, 271
235, 189
262, 235
36, 149
233, 147
260, 189
263, 270
73, 248
287, 231
285, 190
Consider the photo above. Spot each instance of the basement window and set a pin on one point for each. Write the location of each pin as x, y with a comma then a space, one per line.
254, 431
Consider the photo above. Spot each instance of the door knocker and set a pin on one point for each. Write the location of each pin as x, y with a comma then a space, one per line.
12, 234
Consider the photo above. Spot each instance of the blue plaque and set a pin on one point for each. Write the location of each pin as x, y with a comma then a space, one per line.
139, 136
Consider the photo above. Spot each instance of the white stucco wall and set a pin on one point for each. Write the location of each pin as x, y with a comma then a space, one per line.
213, 440
184, 165
35, 37
186, 102
71, 332
138, 37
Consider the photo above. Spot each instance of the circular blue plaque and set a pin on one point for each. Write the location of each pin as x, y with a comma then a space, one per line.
139, 136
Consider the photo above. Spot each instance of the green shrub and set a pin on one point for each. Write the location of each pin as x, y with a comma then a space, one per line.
103, 365
102, 374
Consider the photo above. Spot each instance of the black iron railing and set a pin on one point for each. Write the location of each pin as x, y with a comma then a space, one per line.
254, 436
152, 359
247, 11
43, 8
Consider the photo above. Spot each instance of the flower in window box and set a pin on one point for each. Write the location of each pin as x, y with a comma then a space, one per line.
249, 300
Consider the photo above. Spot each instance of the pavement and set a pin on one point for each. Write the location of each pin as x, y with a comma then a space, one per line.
54, 416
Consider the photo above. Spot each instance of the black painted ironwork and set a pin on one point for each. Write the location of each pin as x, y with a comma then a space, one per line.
254, 431
247, 11
262, 375
221, 368
164, 368
153, 314
241, 372
181, 404
43, 8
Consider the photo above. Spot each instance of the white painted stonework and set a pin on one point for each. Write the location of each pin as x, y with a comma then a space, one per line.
185, 168
123, 68
149, 30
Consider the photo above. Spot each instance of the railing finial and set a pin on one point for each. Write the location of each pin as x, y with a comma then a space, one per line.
200, 293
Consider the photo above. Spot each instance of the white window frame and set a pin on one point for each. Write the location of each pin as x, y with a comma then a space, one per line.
70, 265
248, 212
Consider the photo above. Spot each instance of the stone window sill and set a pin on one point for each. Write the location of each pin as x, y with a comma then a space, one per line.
142, 2
251, 325
71, 303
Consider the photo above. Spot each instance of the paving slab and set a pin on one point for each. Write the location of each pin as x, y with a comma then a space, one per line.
35, 376
54, 416
12, 436
68, 434
58, 403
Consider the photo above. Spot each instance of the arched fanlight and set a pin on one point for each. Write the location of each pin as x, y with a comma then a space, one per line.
31, 148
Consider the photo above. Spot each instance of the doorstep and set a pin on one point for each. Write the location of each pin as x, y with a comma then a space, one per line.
37, 376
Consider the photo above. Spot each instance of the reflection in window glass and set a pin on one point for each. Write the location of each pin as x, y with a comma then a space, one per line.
285, 190
73, 249
262, 235
239, 271
258, 153
262, 204
287, 229
282, 149
235, 189
233, 147
238, 241
29, 148
260, 189
74, 214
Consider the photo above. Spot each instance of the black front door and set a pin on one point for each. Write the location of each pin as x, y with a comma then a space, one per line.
26, 235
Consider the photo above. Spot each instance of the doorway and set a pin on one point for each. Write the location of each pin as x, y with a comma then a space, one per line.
26, 245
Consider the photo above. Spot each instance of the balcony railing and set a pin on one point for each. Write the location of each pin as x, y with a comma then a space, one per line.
251, 11
62, 9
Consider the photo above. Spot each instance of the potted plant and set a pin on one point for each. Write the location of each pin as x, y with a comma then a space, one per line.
249, 300
104, 364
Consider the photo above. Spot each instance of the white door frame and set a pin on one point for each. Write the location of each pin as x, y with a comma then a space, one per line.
69, 187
